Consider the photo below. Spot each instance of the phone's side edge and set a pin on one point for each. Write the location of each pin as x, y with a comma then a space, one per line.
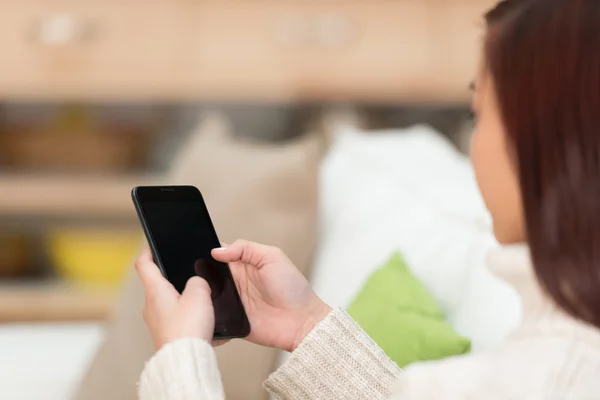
140, 213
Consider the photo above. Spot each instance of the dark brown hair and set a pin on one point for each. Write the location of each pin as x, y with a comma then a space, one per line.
544, 60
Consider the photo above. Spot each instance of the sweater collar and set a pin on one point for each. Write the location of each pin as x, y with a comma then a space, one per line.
539, 312
513, 264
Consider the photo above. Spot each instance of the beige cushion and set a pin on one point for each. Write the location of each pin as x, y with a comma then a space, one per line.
261, 192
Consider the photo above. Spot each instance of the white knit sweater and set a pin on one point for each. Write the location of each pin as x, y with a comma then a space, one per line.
549, 357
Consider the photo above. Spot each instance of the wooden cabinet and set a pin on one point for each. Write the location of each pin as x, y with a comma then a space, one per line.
382, 50
311, 50
92, 49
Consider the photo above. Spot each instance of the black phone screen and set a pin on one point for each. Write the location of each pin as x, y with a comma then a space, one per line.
182, 237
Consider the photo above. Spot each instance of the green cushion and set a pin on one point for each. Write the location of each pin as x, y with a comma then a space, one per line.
398, 312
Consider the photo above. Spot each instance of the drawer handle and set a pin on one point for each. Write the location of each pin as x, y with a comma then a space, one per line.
323, 30
330, 30
62, 29
292, 30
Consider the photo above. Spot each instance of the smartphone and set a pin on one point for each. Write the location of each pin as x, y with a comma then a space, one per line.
181, 236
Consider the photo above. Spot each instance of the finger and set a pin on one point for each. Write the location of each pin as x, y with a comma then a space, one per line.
247, 252
197, 309
148, 271
146, 255
219, 251
196, 294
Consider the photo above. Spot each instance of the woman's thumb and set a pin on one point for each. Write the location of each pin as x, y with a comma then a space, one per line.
196, 293
251, 253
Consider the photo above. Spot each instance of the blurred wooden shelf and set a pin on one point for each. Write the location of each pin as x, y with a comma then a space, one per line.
328, 50
53, 301
60, 195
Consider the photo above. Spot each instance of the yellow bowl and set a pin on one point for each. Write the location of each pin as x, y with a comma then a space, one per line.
93, 256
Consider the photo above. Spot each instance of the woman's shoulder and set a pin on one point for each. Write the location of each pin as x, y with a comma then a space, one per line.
534, 369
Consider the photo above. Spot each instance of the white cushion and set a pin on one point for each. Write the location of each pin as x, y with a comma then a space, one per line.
409, 190
45, 361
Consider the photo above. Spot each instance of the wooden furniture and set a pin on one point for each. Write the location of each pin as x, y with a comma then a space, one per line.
52, 197
53, 301
76, 196
298, 50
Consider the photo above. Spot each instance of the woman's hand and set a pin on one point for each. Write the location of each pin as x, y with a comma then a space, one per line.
169, 315
281, 305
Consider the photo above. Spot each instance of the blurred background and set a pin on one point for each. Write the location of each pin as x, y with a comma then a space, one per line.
97, 97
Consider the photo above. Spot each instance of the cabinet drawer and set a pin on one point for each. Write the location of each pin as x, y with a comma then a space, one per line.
380, 50
82, 48
325, 49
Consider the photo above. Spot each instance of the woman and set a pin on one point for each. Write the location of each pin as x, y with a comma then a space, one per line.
536, 154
